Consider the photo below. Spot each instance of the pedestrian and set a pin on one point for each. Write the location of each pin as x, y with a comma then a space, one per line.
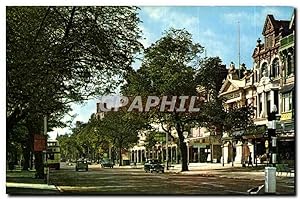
250, 160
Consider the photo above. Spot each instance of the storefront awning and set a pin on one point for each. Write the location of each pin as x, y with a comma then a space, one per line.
252, 136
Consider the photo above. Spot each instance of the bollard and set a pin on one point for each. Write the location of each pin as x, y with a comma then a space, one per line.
270, 180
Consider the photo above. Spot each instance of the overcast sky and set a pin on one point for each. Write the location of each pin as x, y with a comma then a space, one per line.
215, 28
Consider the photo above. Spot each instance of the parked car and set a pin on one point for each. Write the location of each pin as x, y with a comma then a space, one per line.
154, 165
81, 164
107, 163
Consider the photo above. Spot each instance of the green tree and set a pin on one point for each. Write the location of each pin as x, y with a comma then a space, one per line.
58, 55
168, 69
214, 115
122, 128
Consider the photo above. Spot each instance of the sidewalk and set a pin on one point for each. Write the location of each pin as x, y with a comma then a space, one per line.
226, 171
24, 182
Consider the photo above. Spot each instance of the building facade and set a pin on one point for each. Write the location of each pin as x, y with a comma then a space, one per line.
269, 83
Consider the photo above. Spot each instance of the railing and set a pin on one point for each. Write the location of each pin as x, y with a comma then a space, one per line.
287, 41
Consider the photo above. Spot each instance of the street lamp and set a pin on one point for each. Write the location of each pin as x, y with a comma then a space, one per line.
272, 134
223, 144
167, 153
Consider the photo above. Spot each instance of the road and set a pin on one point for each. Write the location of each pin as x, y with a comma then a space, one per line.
136, 181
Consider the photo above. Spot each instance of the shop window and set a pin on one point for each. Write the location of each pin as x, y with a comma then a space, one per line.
51, 156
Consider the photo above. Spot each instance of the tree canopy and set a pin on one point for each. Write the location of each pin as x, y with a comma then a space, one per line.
168, 69
57, 55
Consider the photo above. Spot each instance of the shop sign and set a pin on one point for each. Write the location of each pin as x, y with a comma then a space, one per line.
39, 142
286, 116
199, 145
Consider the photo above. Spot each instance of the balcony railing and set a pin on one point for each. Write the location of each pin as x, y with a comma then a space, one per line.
288, 40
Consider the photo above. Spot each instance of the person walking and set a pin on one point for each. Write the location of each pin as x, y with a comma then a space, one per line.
250, 160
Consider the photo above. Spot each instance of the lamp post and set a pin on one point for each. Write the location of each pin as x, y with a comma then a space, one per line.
222, 153
270, 172
46, 168
167, 154
272, 135
232, 152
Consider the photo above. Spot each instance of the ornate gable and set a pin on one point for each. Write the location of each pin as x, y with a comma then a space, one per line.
231, 88
269, 25
228, 87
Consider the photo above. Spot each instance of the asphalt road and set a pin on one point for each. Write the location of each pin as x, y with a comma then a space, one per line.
135, 181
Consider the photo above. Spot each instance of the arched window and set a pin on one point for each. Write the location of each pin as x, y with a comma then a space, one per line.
289, 64
264, 67
275, 67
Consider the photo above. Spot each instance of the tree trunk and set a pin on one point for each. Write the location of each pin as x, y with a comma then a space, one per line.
39, 164
26, 157
27, 153
183, 149
120, 156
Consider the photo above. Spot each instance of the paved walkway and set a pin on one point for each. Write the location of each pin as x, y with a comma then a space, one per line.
23, 182
31, 185
216, 169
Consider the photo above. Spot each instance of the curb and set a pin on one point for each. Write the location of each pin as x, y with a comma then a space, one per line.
31, 186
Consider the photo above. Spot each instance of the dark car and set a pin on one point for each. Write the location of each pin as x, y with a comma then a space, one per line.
81, 164
107, 163
154, 166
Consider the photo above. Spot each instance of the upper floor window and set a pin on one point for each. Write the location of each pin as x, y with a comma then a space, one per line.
255, 76
290, 66
264, 67
269, 42
275, 68
260, 100
287, 101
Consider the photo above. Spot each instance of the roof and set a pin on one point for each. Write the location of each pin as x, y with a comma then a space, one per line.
292, 22
238, 83
235, 83
276, 25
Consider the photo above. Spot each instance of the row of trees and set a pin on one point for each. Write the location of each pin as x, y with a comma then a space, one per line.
117, 130
172, 66
60, 55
